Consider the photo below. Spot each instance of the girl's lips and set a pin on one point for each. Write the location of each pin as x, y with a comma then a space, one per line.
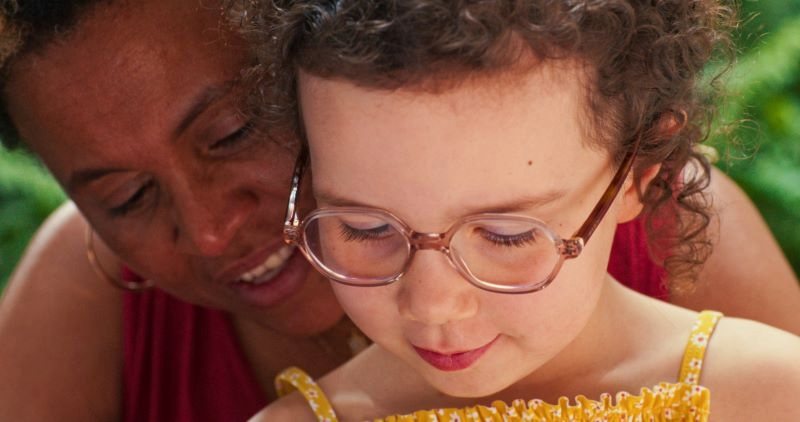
453, 361
289, 281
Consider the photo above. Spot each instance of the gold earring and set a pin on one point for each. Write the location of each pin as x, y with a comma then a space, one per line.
134, 286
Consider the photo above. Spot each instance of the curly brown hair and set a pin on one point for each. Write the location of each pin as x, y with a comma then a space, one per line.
646, 59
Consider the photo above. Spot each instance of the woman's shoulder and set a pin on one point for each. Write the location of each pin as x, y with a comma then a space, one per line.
58, 312
753, 371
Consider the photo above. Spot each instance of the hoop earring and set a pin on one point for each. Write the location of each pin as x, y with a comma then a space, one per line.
133, 286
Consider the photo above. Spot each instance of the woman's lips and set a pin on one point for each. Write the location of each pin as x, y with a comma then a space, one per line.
283, 285
453, 361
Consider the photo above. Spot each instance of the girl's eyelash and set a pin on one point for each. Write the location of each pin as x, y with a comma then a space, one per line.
133, 202
517, 240
349, 233
232, 139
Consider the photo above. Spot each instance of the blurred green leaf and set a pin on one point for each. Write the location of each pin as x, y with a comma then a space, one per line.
27, 196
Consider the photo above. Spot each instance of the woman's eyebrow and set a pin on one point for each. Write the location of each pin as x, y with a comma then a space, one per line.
81, 178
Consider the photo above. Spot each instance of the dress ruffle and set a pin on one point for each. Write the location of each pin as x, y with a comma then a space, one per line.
664, 402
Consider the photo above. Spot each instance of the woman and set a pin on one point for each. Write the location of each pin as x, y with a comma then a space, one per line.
194, 204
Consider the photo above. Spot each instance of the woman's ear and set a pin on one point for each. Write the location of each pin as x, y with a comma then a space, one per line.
631, 202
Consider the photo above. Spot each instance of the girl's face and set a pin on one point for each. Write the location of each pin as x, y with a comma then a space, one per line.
516, 144
136, 114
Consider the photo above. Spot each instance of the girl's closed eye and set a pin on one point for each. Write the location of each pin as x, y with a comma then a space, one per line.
508, 240
350, 233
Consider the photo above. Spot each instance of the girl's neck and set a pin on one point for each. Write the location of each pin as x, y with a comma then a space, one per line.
630, 341
626, 345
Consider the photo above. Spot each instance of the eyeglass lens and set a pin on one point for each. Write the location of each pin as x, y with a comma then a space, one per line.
370, 248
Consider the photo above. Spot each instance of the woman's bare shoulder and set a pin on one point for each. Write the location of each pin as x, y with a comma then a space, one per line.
726, 282
59, 331
753, 372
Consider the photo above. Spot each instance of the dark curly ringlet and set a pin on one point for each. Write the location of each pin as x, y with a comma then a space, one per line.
27, 26
645, 61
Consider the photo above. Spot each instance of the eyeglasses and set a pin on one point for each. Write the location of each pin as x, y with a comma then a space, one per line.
502, 253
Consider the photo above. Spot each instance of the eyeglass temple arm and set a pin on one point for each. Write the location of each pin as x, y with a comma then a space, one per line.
599, 211
291, 208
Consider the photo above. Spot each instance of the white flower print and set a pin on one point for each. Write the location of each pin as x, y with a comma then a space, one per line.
695, 363
700, 339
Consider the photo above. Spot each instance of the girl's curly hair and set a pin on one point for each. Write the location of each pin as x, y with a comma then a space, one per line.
646, 59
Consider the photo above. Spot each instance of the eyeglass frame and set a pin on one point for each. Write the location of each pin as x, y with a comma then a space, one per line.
293, 231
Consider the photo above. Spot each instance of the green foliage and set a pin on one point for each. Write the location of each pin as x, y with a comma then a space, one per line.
27, 195
762, 150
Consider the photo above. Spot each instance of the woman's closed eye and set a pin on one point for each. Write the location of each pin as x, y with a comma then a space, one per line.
233, 142
135, 201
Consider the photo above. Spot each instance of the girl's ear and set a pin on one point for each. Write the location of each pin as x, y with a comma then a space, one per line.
631, 203
669, 124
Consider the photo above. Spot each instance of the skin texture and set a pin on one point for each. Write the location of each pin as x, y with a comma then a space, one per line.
383, 149
211, 206
90, 100
203, 205
741, 280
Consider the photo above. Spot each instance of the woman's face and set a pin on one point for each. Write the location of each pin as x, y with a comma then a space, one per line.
512, 145
135, 113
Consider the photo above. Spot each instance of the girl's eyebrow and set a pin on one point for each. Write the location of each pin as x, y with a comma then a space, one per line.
521, 204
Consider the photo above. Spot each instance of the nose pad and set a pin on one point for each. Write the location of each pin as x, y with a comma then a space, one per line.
433, 292
206, 225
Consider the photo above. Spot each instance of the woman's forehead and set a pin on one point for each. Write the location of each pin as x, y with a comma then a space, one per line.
122, 78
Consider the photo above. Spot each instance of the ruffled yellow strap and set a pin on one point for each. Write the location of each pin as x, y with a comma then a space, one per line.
692, 363
292, 379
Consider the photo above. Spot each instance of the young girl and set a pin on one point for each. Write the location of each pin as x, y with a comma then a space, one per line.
471, 162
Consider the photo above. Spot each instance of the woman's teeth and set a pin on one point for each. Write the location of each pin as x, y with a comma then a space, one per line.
270, 267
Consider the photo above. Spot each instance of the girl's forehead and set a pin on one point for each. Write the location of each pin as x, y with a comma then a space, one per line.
489, 142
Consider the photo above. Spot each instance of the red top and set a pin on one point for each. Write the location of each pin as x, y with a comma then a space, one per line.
183, 363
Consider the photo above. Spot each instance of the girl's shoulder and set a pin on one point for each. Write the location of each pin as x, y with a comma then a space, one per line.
292, 407
753, 371
353, 389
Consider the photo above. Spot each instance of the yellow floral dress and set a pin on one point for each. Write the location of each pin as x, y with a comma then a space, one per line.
684, 401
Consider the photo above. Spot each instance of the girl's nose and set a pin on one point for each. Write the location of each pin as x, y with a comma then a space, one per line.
432, 292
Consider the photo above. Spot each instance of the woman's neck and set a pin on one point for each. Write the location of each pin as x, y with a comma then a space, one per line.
269, 352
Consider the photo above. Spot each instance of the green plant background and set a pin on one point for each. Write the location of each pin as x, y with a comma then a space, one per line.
761, 152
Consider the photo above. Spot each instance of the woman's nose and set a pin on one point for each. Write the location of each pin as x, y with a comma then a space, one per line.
208, 220
433, 292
